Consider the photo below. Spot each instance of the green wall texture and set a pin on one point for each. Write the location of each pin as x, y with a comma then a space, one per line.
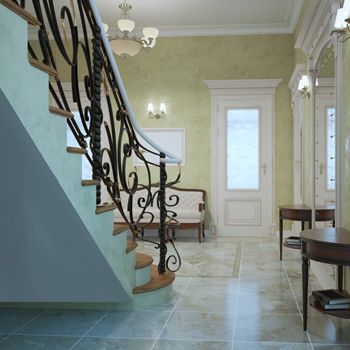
174, 72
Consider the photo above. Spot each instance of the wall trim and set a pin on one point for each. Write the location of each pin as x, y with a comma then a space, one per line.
242, 84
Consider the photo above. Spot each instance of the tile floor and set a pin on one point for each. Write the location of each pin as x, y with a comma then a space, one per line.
231, 293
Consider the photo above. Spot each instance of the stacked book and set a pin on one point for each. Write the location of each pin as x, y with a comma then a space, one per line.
293, 240
332, 299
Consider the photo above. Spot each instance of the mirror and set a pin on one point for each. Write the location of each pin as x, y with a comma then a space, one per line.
325, 138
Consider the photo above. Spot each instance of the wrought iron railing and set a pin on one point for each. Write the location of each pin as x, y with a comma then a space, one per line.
111, 159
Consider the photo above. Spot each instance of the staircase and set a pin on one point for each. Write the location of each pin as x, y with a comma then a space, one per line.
67, 249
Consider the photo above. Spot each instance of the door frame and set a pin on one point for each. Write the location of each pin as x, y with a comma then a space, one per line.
221, 89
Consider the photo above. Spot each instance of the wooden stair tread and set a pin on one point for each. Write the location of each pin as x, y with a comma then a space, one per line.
90, 182
119, 228
105, 208
143, 260
157, 281
21, 12
43, 67
61, 112
131, 245
76, 150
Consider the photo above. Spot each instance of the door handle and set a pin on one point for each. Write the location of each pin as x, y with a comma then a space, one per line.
264, 168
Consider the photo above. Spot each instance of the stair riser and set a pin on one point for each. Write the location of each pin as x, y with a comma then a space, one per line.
143, 275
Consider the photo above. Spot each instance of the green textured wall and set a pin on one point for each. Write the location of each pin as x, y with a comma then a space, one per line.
174, 73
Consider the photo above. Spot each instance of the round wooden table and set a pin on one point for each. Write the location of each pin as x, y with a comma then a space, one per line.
303, 213
327, 245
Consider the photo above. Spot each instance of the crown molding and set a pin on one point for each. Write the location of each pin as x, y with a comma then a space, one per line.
243, 84
316, 22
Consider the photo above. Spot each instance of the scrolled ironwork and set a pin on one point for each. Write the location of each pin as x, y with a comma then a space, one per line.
110, 156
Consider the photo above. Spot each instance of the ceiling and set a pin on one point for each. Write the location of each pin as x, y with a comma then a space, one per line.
208, 17
205, 17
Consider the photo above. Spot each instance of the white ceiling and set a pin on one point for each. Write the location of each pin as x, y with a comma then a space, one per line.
208, 17
203, 17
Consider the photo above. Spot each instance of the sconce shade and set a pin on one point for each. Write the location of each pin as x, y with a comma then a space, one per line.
105, 27
342, 15
303, 83
150, 108
162, 108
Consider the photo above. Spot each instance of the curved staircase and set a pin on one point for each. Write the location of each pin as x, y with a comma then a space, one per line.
136, 273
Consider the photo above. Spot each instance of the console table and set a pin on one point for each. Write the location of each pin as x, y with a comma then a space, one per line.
303, 213
327, 245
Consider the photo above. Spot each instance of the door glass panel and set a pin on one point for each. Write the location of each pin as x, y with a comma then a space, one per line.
330, 149
243, 149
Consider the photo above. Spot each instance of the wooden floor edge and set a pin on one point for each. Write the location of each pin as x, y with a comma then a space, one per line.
143, 260
75, 150
131, 245
119, 228
90, 182
61, 112
157, 281
43, 67
21, 12
105, 208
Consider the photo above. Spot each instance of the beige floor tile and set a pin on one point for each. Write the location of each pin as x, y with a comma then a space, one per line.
270, 328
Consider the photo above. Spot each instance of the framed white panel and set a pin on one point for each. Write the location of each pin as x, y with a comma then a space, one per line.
242, 212
171, 139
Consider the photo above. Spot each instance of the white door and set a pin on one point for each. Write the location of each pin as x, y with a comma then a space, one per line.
325, 151
244, 151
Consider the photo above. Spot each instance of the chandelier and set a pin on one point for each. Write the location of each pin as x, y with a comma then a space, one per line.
125, 43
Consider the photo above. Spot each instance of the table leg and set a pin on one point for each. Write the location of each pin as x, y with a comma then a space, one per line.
281, 236
333, 223
303, 225
340, 277
310, 225
305, 269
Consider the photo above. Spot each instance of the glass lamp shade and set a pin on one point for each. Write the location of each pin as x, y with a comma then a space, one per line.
150, 32
126, 25
105, 27
303, 83
346, 7
125, 47
150, 108
342, 15
145, 42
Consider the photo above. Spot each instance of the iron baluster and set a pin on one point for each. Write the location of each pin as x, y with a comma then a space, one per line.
162, 216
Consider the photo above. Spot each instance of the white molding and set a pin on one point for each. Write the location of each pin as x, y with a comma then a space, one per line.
223, 89
298, 113
214, 85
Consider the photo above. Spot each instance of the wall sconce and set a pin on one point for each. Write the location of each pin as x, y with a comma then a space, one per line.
342, 20
304, 87
150, 110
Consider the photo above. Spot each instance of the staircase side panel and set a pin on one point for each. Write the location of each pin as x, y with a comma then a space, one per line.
46, 252
26, 88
